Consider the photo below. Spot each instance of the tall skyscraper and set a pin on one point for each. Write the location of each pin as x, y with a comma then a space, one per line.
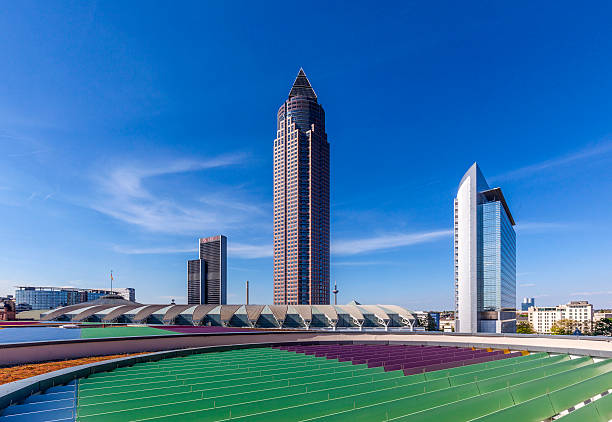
485, 258
207, 276
301, 199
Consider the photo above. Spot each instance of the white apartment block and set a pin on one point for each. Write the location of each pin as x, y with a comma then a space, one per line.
542, 318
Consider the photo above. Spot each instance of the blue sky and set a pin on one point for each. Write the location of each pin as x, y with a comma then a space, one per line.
128, 130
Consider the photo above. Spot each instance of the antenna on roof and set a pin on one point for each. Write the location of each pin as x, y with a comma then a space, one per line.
335, 292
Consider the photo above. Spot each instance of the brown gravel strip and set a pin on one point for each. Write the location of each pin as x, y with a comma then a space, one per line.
14, 373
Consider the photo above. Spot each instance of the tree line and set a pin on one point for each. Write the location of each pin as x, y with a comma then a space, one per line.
603, 327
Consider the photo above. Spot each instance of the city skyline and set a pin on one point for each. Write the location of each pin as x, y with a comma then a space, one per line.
121, 142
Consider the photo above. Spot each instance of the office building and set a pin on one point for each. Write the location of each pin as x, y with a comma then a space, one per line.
429, 320
301, 199
207, 275
602, 314
39, 297
485, 258
527, 303
580, 313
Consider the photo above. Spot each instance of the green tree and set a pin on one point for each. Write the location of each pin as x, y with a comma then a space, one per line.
564, 327
524, 327
603, 327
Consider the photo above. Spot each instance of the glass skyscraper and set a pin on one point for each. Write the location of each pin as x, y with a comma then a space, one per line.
301, 199
485, 258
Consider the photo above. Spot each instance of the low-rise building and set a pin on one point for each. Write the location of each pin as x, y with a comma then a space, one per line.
351, 316
602, 314
447, 325
40, 297
7, 308
542, 318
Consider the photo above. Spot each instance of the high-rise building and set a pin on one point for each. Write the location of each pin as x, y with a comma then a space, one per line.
527, 303
485, 258
207, 275
301, 199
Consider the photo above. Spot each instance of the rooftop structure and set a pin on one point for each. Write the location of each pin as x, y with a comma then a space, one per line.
261, 316
335, 382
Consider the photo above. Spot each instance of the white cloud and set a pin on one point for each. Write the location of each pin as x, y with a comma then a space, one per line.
357, 246
238, 250
541, 226
7, 287
604, 292
153, 251
122, 195
342, 247
592, 151
361, 263
242, 250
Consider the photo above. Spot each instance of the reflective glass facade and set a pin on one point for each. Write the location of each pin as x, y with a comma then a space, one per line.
496, 259
485, 257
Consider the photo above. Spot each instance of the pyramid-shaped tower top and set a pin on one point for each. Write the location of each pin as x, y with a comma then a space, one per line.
301, 87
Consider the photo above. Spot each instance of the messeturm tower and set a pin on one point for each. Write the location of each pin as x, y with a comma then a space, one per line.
301, 199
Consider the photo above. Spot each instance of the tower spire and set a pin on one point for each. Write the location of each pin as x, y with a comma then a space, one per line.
335, 292
301, 87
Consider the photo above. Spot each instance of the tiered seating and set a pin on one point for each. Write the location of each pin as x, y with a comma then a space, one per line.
57, 404
269, 384
411, 359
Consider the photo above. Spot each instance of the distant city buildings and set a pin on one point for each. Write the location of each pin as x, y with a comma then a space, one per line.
40, 297
602, 314
429, 320
485, 258
301, 199
527, 303
7, 308
207, 275
544, 317
447, 324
